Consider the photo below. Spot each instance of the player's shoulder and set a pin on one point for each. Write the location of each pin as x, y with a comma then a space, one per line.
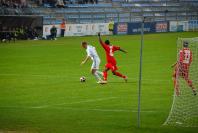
184, 49
181, 51
117, 47
106, 46
90, 47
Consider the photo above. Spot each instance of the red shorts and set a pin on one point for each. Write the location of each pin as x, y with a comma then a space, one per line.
182, 71
111, 66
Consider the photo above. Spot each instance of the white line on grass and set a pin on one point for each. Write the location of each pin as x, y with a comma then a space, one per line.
103, 110
84, 109
32, 75
55, 106
85, 101
58, 106
75, 76
106, 110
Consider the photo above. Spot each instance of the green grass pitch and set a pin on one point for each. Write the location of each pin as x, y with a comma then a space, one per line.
40, 89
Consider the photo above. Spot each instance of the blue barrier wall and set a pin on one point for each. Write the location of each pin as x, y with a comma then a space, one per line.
120, 28
135, 28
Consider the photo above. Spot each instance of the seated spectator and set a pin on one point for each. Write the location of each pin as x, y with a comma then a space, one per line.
40, 2
23, 3
7, 3
13, 3
60, 4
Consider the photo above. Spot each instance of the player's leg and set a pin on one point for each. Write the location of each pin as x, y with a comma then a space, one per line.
95, 72
94, 68
176, 86
114, 71
119, 75
99, 73
176, 74
105, 72
97, 67
189, 82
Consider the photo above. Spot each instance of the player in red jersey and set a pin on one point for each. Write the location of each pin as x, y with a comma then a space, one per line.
181, 68
111, 62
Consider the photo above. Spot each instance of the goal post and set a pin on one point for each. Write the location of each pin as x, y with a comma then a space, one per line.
184, 110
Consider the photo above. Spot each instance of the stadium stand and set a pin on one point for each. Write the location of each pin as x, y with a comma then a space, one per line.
88, 11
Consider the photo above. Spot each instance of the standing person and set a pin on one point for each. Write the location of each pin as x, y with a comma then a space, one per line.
53, 32
92, 54
63, 26
111, 62
111, 26
40, 2
181, 68
23, 3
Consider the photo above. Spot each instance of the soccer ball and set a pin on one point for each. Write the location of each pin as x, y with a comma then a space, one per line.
82, 79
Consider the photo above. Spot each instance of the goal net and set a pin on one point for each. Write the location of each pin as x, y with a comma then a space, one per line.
184, 111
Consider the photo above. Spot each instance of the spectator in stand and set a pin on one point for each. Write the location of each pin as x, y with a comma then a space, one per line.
23, 3
1, 26
21, 33
60, 4
111, 26
62, 27
7, 4
1, 33
40, 2
92, 1
13, 3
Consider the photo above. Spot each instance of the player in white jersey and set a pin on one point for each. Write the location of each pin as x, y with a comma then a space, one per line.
92, 54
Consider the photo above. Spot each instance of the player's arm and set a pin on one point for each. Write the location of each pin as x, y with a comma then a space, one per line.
116, 48
173, 65
85, 60
180, 59
122, 50
100, 40
181, 56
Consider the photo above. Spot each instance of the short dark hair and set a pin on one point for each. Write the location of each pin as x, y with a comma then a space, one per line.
107, 42
185, 44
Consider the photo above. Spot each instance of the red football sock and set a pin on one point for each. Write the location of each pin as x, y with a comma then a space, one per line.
190, 83
105, 75
119, 74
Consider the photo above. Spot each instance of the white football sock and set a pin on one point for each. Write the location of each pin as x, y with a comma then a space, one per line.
99, 73
97, 76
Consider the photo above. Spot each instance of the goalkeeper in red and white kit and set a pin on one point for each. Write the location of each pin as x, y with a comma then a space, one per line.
181, 68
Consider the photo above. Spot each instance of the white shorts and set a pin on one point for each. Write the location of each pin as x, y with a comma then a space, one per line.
95, 64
